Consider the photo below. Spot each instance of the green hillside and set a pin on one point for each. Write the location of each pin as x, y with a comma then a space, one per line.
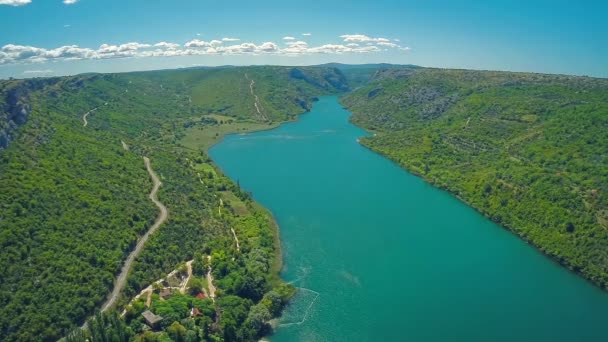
75, 197
526, 150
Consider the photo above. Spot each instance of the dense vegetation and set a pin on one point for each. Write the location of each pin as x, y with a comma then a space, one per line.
74, 198
527, 150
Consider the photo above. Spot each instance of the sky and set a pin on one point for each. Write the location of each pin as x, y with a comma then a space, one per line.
64, 37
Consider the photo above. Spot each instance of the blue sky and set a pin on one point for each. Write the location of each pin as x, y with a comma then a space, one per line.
57, 37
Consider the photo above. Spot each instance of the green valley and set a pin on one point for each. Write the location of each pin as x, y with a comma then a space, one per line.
526, 150
75, 191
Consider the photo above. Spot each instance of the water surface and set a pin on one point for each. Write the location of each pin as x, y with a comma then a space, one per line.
381, 255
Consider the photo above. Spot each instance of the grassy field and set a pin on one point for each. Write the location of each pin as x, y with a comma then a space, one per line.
230, 199
202, 138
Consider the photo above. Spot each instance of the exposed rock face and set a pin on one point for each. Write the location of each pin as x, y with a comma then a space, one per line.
15, 106
302, 103
374, 92
13, 113
337, 80
325, 78
394, 73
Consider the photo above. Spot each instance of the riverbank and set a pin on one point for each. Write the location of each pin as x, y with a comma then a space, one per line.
554, 257
194, 140
206, 138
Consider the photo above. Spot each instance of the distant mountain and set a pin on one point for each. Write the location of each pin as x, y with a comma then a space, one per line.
358, 75
367, 66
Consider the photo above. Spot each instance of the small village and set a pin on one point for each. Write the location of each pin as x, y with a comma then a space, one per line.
180, 285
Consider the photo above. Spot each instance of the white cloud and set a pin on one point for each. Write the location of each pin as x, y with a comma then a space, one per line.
122, 50
307, 34
240, 49
342, 49
70, 2
197, 43
13, 54
385, 44
20, 52
68, 52
361, 38
289, 38
15, 2
168, 46
298, 43
269, 47
296, 48
38, 72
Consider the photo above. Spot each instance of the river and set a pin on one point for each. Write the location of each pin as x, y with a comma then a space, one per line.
381, 255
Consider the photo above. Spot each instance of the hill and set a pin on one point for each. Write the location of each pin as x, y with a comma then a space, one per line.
527, 150
358, 75
74, 192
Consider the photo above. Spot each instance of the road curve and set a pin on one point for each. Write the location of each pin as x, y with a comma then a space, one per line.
84, 117
162, 217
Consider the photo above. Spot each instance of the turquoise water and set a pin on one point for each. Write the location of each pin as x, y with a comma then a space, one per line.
381, 255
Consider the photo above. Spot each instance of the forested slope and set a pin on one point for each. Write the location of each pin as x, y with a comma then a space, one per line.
73, 199
530, 151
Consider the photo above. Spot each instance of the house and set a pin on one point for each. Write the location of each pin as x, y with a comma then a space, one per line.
201, 296
151, 319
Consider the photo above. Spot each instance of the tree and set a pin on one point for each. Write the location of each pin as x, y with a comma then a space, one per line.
103, 327
570, 227
257, 317
177, 332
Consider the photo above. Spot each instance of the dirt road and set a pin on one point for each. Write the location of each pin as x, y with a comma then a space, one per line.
162, 217
84, 117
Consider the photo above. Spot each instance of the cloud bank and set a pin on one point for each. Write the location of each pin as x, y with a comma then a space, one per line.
26, 2
353, 43
15, 2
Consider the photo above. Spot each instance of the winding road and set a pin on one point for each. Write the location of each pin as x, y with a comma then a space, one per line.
184, 285
236, 239
209, 277
84, 117
162, 217
256, 101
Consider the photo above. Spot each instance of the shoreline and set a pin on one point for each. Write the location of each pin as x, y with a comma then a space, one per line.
277, 261
270, 127
277, 265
